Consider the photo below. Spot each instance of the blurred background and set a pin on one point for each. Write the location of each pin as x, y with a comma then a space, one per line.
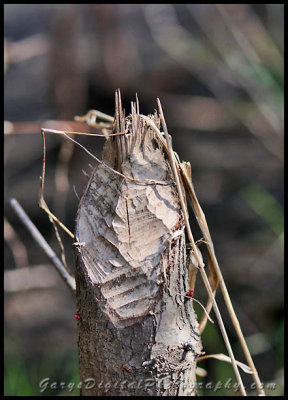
218, 71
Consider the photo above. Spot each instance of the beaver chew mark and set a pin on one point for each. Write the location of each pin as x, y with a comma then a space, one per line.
125, 227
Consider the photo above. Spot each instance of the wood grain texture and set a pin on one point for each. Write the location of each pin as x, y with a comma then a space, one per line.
131, 266
124, 227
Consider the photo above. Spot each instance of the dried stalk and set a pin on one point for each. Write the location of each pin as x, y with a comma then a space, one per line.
199, 260
223, 357
216, 275
42, 202
32, 127
200, 216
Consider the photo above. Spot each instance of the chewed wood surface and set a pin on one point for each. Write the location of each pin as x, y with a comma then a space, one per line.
123, 227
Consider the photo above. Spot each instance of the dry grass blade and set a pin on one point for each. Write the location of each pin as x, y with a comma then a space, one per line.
205, 311
200, 216
200, 262
223, 357
59, 132
63, 257
214, 267
42, 202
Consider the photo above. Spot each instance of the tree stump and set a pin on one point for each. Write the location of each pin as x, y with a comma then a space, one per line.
137, 335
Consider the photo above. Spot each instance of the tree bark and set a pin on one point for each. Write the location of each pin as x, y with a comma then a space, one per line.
137, 334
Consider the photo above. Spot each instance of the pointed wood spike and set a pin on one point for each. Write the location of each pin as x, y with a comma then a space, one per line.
121, 114
117, 111
137, 104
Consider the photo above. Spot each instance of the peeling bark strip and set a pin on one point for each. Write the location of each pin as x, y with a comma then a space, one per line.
137, 336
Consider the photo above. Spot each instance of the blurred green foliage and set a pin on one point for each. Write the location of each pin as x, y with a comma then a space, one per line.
265, 205
23, 372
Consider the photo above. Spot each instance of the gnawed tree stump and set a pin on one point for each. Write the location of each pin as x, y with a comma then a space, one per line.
137, 335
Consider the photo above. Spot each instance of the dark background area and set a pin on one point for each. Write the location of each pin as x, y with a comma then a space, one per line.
218, 71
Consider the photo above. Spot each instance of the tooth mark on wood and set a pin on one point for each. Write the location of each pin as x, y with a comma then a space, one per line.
129, 231
130, 274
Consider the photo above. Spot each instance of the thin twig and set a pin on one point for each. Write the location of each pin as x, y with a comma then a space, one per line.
197, 301
34, 127
39, 239
61, 246
42, 202
59, 132
92, 115
138, 181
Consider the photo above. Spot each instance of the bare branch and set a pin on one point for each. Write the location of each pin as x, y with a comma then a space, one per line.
39, 239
